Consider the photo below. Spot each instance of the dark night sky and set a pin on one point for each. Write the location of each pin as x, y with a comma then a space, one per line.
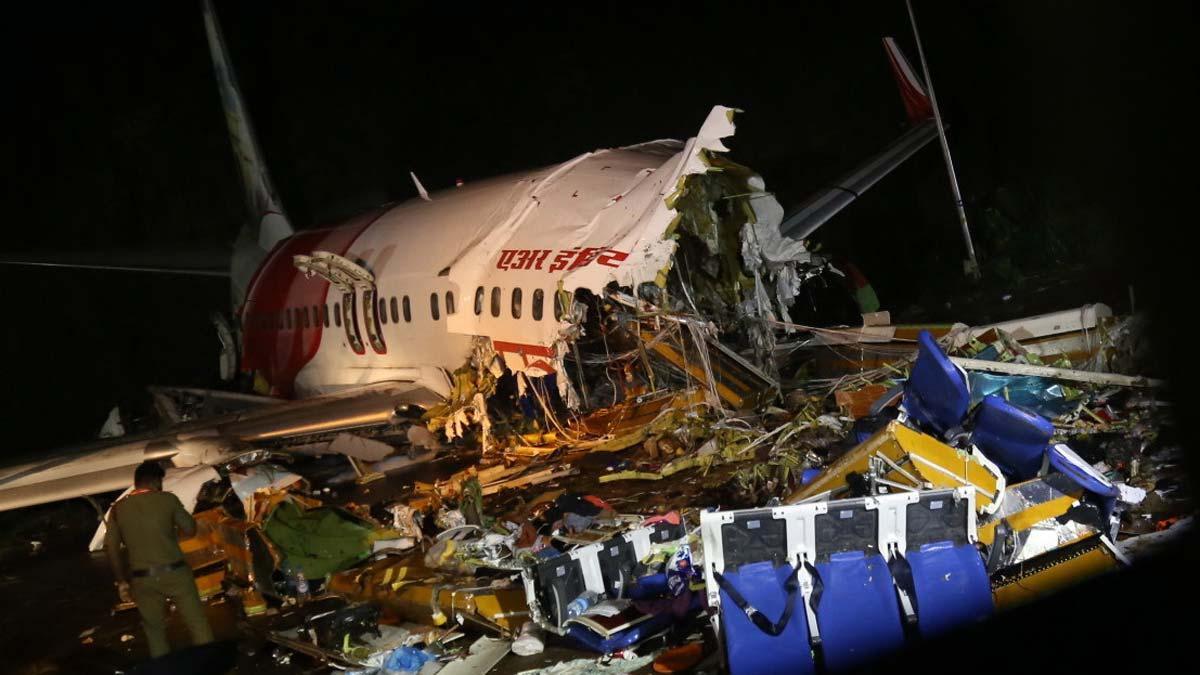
1070, 117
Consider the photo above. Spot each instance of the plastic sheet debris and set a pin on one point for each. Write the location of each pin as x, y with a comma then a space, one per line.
481, 657
407, 660
530, 641
1039, 395
322, 540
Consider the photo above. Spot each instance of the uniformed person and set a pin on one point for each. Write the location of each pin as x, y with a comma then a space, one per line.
146, 521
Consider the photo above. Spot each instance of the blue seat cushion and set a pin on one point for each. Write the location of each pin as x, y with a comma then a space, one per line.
1014, 438
950, 585
936, 394
857, 610
748, 649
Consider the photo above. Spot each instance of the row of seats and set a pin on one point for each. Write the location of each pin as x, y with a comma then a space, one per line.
607, 568
937, 401
841, 583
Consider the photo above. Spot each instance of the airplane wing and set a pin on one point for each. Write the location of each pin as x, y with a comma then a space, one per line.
108, 465
203, 262
826, 203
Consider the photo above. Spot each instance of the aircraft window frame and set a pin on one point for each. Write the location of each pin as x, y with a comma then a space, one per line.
450, 308
287, 316
337, 314
383, 317
395, 307
433, 306
407, 310
515, 305
539, 298
325, 315
304, 313
479, 293
496, 302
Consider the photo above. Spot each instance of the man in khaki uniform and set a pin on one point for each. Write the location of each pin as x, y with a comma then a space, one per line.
145, 521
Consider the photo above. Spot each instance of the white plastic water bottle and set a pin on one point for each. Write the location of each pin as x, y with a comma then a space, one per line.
301, 586
582, 603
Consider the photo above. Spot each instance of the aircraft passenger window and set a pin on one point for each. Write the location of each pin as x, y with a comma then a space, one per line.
382, 311
337, 314
433, 306
479, 301
496, 301
516, 303
288, 315
407, 310
325, 315
305, 314
449, 303
395, 311
538, 296
316, 316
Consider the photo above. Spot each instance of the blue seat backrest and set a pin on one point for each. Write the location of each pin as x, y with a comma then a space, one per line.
936, 394
1012, 437
1064, 460
950, 585
559, 580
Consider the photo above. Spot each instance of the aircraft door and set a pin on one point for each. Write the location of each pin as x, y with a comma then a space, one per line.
350, 322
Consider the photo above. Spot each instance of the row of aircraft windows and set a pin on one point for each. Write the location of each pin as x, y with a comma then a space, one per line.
516, 298
299, 318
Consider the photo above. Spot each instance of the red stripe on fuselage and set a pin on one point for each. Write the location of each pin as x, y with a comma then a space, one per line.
277, 286
523, 350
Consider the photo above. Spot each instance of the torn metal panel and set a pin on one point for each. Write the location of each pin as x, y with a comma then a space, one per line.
1056, 373
1054, 571
607, 216
366, 449
248, 482
910, 460
730, 377
407, 589
482, 656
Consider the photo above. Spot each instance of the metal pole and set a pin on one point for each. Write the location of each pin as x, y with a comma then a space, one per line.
972, 263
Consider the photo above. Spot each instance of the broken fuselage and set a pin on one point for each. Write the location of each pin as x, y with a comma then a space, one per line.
404, 292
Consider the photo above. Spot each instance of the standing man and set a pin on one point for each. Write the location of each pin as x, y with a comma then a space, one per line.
145, 521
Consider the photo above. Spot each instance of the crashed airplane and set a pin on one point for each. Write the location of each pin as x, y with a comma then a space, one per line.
409, 314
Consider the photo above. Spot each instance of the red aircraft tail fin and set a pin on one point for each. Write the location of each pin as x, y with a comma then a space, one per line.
912, 89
